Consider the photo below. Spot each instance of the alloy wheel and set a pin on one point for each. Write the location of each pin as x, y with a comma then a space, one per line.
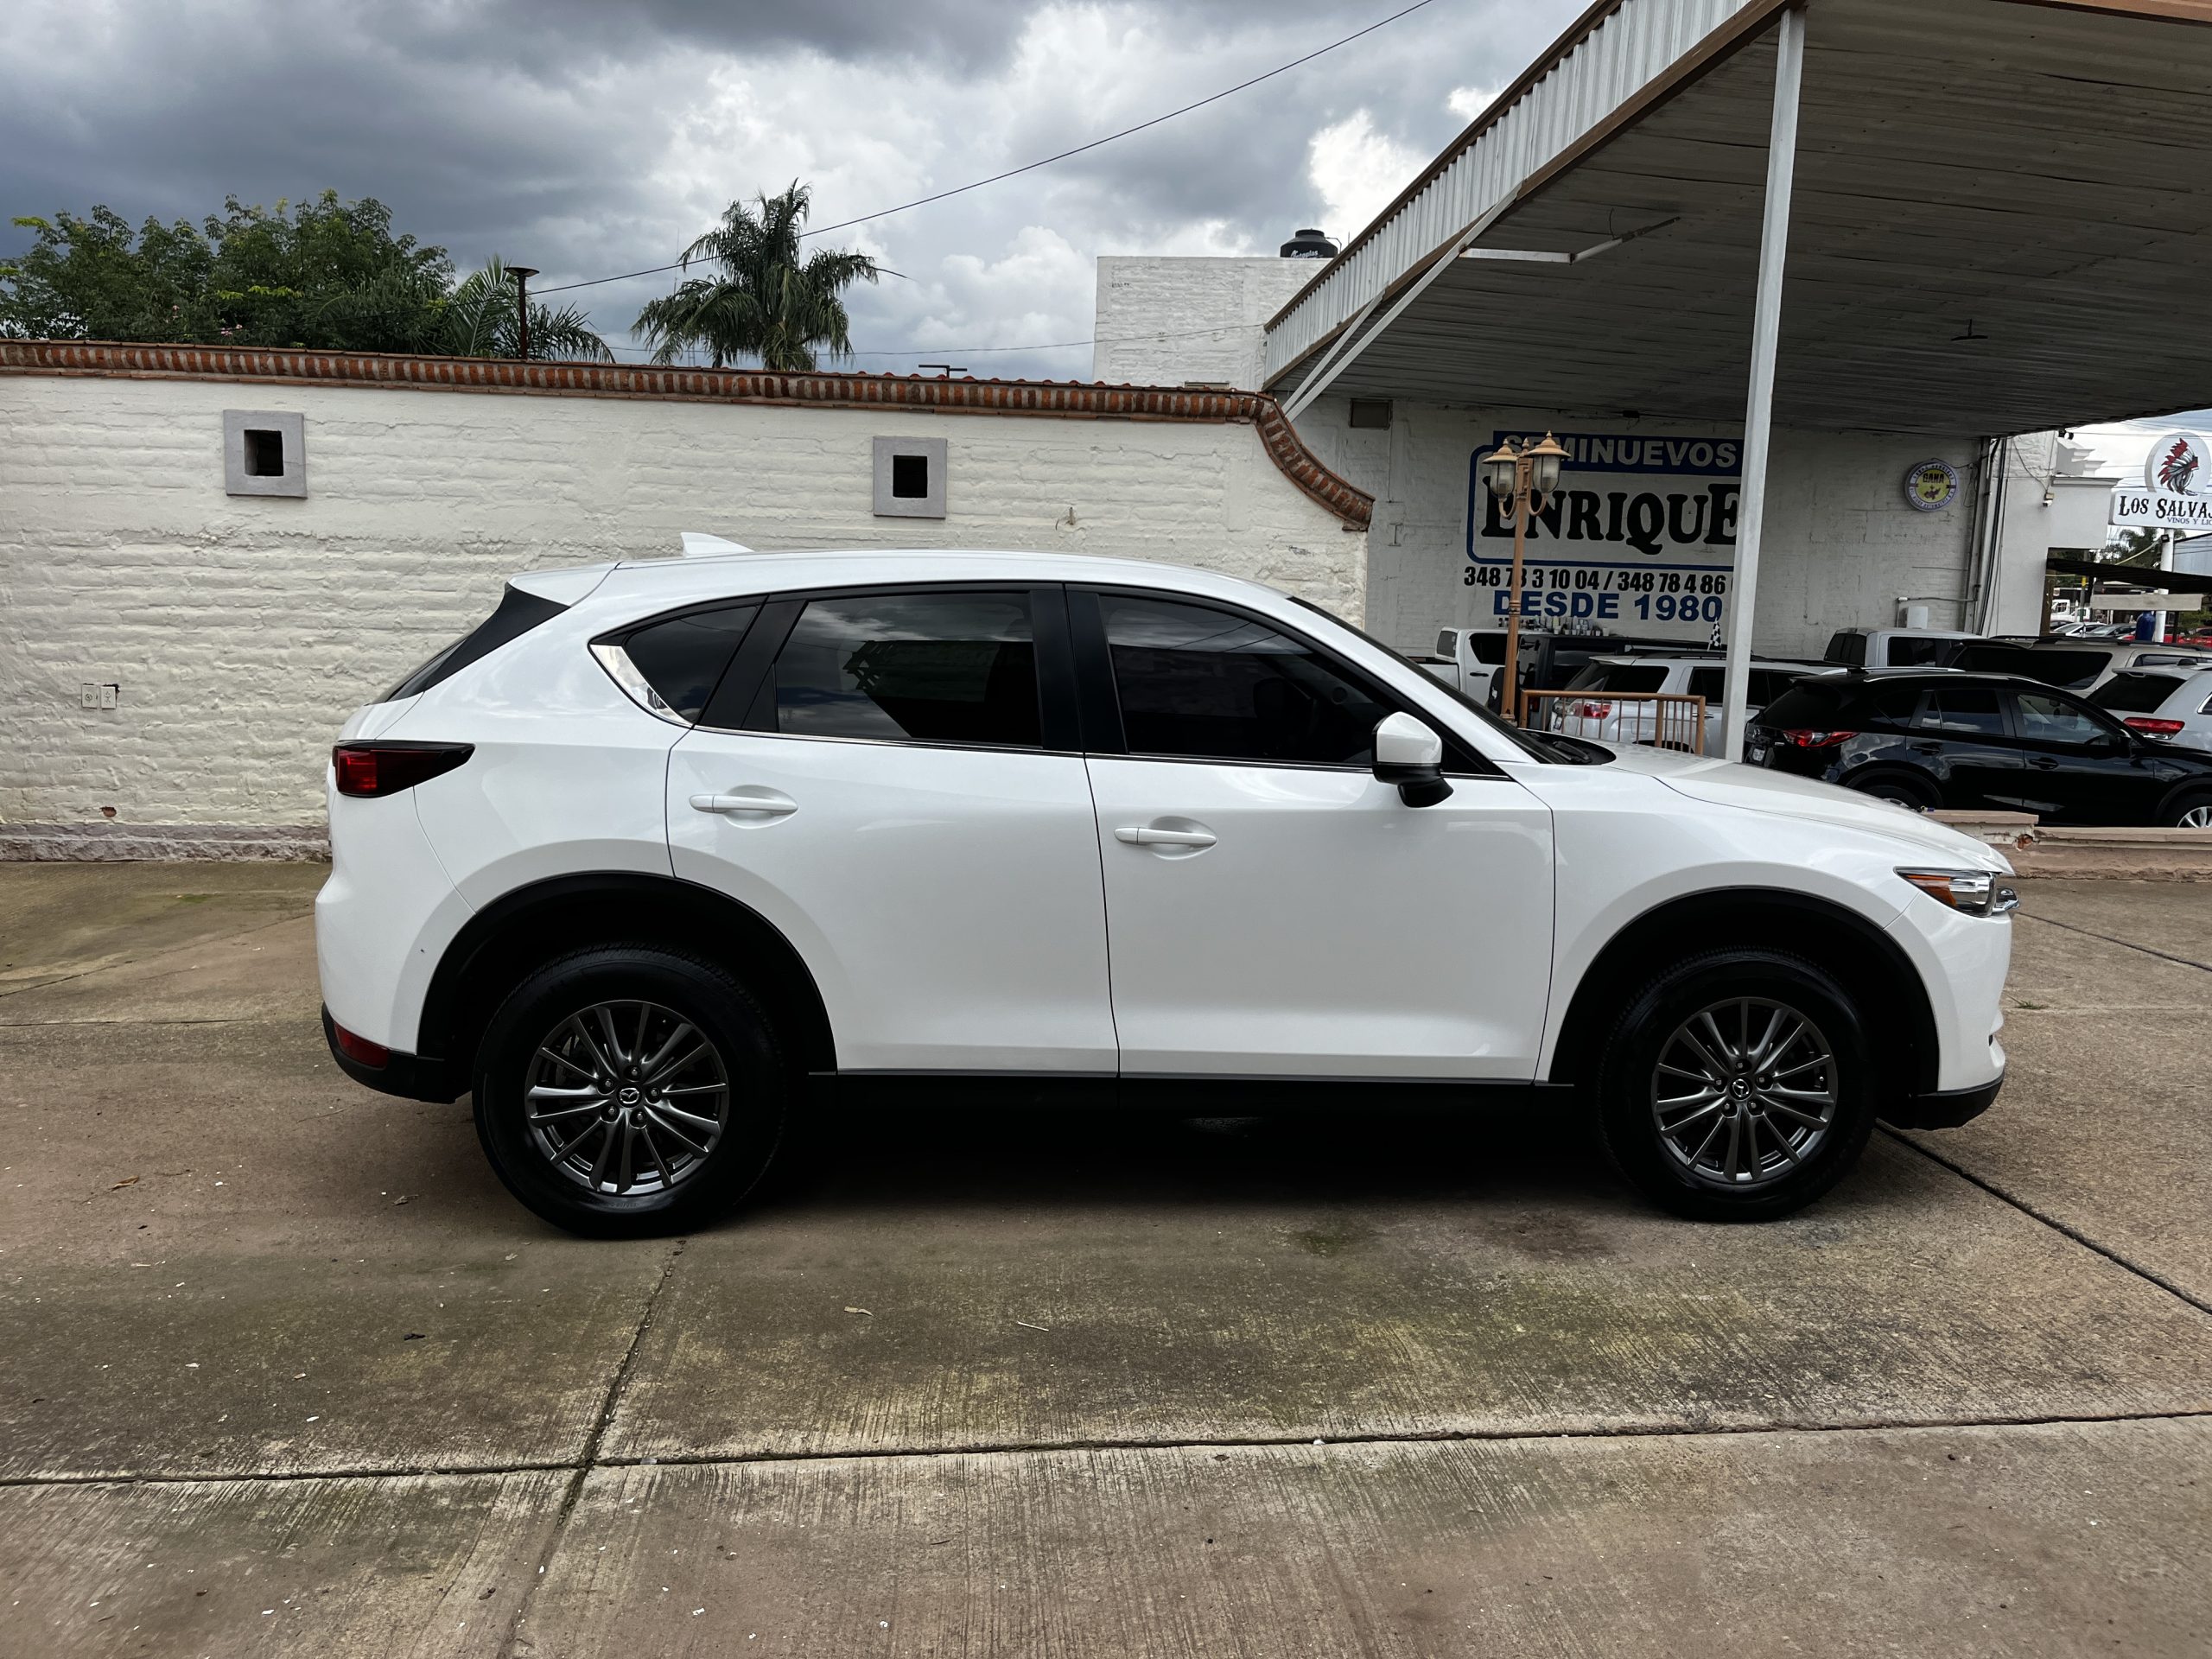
1743, 1092
2198, 817
626, 1098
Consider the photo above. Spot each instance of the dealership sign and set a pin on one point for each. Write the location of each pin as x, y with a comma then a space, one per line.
1640, 536
2177, 493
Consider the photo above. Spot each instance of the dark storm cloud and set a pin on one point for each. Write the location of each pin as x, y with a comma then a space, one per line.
589, 139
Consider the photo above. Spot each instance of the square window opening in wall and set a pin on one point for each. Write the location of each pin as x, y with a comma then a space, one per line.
265, 453
909, 477
1371, 414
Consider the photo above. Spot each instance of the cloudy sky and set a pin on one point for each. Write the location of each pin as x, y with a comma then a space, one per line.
588, 138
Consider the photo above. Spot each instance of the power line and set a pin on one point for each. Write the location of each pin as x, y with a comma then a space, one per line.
1031, 167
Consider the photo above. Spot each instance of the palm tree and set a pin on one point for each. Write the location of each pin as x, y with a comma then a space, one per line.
477, 320
765, 301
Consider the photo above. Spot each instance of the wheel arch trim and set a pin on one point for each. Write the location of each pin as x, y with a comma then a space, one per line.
1755, 916
665, 908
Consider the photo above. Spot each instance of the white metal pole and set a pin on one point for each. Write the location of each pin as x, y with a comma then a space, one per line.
1758, 408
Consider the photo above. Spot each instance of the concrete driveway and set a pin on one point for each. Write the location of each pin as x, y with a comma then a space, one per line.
283, 1370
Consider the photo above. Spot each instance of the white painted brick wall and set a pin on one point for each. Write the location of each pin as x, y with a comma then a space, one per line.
1164, 321
243, 630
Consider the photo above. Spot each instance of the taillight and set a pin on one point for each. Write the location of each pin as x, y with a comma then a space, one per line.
1593, 710
359, 1048
2152, 728
387, 768
1801, 739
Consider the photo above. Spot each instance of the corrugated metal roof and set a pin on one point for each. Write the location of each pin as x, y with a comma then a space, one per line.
1609, 55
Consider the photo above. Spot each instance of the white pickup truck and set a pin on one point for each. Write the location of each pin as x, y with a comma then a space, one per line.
1466, 659
1895, 647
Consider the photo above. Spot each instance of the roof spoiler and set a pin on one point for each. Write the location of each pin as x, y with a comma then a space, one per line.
699, 546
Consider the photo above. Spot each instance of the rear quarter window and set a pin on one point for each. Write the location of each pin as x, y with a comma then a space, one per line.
519, 613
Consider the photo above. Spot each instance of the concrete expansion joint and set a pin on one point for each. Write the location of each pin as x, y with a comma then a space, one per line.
582, 1469
2050, 1221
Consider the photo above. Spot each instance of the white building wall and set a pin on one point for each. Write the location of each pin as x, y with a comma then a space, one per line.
1841, 544
243, 630
1169, 322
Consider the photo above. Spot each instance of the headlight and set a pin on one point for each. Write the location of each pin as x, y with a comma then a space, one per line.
1975, 892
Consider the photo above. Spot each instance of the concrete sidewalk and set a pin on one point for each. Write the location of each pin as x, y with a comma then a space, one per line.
286, 1371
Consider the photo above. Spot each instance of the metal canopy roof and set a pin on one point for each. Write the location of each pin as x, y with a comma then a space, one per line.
2037, 179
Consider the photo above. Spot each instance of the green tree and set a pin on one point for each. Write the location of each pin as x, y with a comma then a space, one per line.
764, 301
478, 319
325, 273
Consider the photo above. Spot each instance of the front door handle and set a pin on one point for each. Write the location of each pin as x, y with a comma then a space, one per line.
747, 801
1144, 835
2043, 762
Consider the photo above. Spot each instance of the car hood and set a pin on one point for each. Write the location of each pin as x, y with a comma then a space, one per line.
1726, 783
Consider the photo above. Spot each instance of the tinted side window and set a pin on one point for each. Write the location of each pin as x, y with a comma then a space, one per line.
1707, 683
1891, 705
1908, 652
938, 668
683, 657
1846, 648
2046, 719
1210, 686
1962, 711
1767, 683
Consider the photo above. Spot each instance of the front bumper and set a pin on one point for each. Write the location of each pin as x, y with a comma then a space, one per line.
1943, 1109
412, 1076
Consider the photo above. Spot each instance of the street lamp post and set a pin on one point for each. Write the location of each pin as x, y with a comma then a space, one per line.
522, 273
1522, 478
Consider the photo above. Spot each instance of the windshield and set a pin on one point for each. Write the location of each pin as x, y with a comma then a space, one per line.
1537, 746
2135, 694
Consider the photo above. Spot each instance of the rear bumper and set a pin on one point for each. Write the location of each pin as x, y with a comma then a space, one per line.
1944, 1108
412, 1076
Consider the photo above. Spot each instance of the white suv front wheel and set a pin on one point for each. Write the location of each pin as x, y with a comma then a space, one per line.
1738, 1086
629, 1090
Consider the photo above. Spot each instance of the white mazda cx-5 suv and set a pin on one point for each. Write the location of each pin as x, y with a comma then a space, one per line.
664, 850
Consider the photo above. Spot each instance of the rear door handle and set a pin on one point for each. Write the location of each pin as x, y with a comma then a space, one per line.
1138, 836
2043, 762
747, 801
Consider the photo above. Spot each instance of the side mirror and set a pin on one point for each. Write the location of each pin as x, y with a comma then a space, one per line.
1411, 756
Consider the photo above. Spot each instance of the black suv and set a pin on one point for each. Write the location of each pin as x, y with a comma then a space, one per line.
1979, 741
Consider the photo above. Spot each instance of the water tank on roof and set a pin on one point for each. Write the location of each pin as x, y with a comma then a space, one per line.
1309, 244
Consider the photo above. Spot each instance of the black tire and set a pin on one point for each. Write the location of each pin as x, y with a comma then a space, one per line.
674, 1189
1899, 786
2181, 804
1631, 1082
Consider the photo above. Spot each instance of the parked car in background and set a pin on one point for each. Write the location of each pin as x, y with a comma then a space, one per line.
1612, 708
1978, 741
1894, 647
666, 851
2173, 705
2075, 664
1467, 659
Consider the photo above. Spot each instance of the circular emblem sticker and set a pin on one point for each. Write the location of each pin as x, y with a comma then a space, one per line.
1931, 484
2178, 464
